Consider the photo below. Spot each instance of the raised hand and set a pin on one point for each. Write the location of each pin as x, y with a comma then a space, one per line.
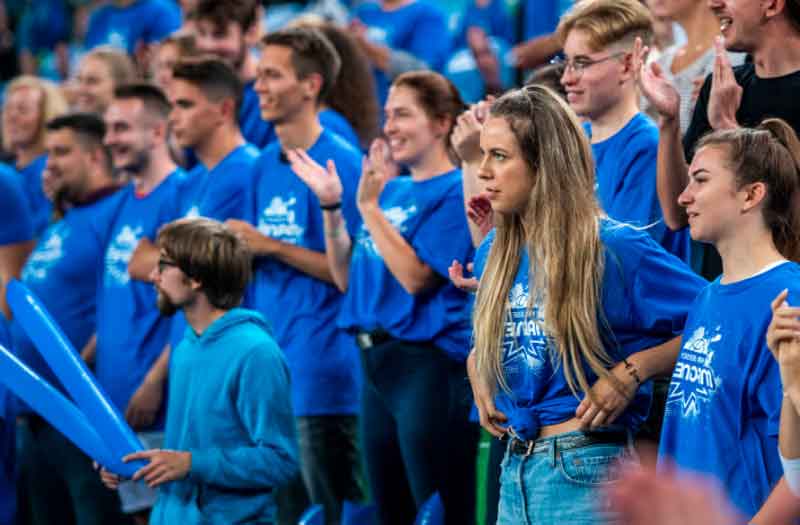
659, 91
456, 272
325, 183
466, 137
479, 211
376, 170
726, 93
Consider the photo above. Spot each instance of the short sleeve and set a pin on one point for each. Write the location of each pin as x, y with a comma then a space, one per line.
663, 288
482, 254
16, 223
637, 200
443, 236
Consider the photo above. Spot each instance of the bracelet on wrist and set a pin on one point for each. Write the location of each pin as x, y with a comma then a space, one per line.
632, 371
331, 207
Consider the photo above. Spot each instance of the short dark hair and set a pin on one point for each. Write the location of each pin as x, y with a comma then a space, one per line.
210, 253
312, 52
216, 79
89, 129
153, 98
243, 13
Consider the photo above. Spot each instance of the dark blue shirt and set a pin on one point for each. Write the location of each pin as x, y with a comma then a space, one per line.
302, 310
430, 216
131, 333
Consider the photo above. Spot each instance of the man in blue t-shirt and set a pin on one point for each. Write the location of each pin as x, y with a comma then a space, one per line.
600, 81
131, 362
132, 24
63, 272
227, 30
293, 285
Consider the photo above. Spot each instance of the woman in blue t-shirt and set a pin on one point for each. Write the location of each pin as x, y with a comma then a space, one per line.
574, 313
723, 409
411, 323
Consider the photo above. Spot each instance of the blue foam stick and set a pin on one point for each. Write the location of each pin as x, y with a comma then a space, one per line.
52, 406
59, 353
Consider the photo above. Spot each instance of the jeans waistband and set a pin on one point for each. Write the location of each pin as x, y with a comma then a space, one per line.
569, 440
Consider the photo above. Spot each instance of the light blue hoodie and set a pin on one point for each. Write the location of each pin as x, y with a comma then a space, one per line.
230, 406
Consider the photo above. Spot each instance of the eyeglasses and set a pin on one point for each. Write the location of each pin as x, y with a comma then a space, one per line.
163, 264
579, 65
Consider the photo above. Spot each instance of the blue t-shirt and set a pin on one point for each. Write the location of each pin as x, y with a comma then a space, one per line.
626, 182
418, 28
493, 18
40, 206
430, 216
142, 22
724, 403
16, 222
43, 24
540, 17
645, 298
332, 120
131, 333
323, 359
219, 194
63, 272
256, 131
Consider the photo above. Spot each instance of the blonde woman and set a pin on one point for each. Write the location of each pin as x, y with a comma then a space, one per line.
566, 296
30, 102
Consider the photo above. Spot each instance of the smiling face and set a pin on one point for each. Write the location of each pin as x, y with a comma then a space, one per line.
193, 117
739, 22
505, 177
593, 89
128, 135
226, 43
281, 94
412, 134
95, 85
22, 115
713, 203
68, 165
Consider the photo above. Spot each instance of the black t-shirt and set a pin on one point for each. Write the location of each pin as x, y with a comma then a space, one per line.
761, 98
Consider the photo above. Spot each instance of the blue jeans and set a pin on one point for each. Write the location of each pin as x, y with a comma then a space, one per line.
416, 432
560, 484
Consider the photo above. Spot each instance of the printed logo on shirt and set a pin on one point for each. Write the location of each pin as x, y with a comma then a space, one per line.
694, 381
525, 344
278, 221
398, 216
193, 213
118, 255
117, 39
48, 252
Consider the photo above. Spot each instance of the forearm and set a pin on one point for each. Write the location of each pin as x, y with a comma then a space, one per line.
672, 174
379, 55
266, 465
338, 247
414, 275
12, 259
89, 350
310, 262
781, 507
144, 260
158, 373
657, 361
537, 51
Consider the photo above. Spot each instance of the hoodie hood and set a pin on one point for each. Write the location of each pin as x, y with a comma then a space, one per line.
234, 317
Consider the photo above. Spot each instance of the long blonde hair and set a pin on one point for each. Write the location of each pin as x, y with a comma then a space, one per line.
560, 230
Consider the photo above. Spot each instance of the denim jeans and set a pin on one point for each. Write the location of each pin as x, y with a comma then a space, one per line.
560, 485
416, 433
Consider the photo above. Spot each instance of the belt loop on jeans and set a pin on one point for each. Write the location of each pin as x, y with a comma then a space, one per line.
553, 450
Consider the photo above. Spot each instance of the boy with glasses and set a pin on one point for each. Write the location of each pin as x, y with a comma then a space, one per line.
600, 81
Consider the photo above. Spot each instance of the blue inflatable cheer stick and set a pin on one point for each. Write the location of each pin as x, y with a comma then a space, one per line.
52, 406
76, 378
